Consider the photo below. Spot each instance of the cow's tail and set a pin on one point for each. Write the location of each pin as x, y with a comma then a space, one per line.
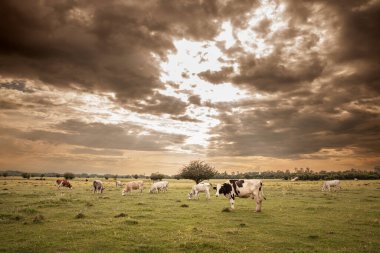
261, 191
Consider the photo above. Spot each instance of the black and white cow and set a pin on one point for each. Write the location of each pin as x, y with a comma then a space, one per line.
242, 188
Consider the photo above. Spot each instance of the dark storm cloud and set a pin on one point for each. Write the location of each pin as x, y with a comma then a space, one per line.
195, 100
356, 31
102, 46
273, 74
15, 85
290, 131
319, 98
7, 105
159, 104
185, 118
100, 136
217, 77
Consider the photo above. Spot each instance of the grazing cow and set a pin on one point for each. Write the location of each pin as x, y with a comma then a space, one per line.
63, 183
201, 187
98, 186
134, 185
331, 183
294, 179
119, 183
252, 188
159, 186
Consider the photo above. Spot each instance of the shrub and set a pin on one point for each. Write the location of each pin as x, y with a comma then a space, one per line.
25, 175
68, 175
156, 176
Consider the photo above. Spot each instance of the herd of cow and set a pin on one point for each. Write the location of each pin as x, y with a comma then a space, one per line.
242, 188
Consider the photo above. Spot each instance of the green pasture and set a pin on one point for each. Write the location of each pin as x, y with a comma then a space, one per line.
296, 217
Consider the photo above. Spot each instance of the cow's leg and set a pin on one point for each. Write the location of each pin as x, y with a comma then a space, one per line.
258, 205
207, 195
232, 202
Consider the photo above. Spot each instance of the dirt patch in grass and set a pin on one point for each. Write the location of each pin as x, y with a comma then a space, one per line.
121, 215
226, 209
38, 219
184, 205
80, 216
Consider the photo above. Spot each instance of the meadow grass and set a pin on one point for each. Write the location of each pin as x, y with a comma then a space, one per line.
296, 217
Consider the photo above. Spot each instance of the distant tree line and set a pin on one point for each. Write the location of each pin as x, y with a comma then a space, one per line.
198, 171
303, 174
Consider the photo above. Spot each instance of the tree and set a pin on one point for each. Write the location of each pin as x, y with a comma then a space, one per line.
156, 176
197, 171
5, 174
135, 176
68, 175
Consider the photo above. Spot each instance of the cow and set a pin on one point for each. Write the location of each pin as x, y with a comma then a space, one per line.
63, 183
119, 183
242, 188
294, 179
133, 185
201, 187
159, 186
98, 186
332, 183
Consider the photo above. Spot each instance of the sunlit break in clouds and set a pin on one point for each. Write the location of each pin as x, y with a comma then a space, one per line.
127, 87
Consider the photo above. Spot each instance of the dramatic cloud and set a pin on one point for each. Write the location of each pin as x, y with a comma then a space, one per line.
157, 83
97, 135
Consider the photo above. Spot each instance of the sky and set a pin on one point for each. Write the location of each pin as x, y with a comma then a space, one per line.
127, 87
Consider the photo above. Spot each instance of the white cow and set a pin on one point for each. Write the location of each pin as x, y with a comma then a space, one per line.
294, 179
159, 186
331, 183
119, 183
243, 188
133, 185
201, 187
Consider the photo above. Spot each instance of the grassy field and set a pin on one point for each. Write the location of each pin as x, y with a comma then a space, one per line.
296, 217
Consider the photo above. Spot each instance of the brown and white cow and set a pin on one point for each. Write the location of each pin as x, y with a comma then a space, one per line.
98, 186
63, 183
133, 185
242, 188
